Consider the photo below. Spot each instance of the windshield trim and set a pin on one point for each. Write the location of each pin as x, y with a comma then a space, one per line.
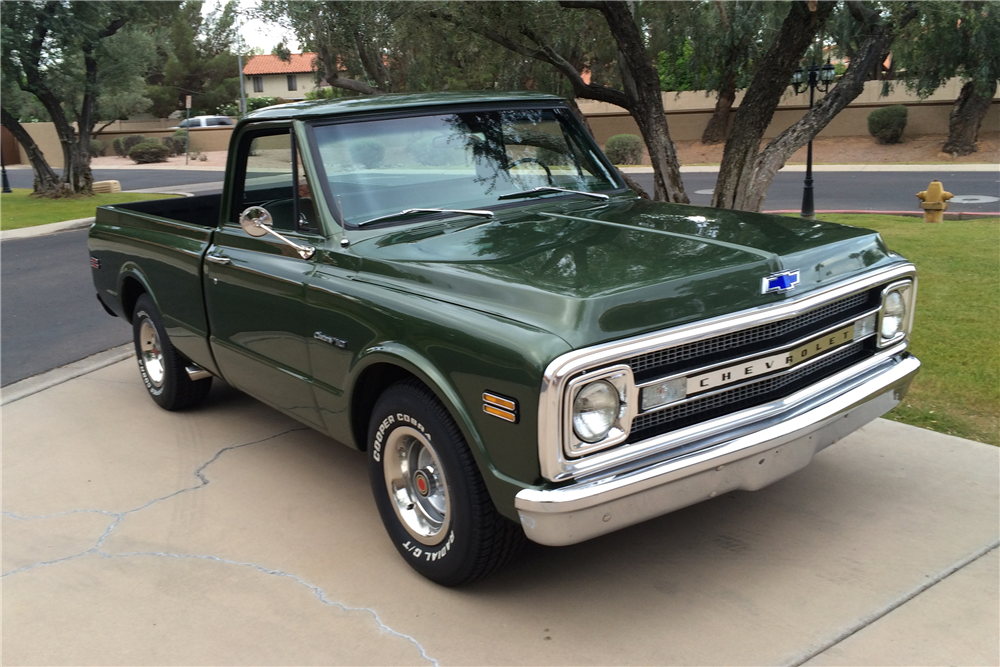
559, 107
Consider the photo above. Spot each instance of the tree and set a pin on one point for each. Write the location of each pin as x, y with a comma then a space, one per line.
731, 38
197, 58
746, 171
954, 39
530, 30
352, 40
64, 55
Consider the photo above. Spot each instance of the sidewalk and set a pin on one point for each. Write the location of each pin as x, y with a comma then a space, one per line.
137, 536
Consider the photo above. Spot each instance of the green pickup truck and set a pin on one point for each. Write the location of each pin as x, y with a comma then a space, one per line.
463, 287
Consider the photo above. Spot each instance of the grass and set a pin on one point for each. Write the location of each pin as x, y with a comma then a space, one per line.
18, 210
956, 330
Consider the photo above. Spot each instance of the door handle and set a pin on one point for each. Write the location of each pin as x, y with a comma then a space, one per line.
217, 259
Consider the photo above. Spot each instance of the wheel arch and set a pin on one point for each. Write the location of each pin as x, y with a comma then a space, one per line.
131, 285
390, 363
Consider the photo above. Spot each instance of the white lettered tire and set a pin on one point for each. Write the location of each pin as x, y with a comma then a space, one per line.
160, 365
432, 499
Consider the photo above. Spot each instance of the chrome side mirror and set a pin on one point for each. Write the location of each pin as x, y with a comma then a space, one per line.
257, 222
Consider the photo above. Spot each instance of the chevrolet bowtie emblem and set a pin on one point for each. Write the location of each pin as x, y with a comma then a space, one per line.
779, 282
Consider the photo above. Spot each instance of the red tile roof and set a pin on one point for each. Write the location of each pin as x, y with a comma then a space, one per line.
300, 62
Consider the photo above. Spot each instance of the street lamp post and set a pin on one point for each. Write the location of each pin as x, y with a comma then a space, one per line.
3, 175
815, 77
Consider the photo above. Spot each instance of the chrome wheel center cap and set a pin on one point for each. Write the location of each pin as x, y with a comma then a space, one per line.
422, 483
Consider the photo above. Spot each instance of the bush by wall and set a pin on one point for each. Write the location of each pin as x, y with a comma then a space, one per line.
119, 147
149, 151
624, 149
368, 153
97, 148
131, 140
175, 144
887, 124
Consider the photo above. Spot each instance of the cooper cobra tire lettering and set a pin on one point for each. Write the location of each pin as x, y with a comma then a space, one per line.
429, 491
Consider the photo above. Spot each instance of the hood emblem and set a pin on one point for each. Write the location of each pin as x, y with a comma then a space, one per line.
779, 282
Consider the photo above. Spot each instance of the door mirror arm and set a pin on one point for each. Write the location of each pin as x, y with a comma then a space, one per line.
257, 222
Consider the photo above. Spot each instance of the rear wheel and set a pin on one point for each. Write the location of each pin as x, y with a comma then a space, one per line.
163, 368
430, 495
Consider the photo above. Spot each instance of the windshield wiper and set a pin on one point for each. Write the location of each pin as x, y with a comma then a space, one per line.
409, 212
546, 189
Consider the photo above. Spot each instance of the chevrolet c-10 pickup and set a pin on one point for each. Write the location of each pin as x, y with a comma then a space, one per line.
463, 287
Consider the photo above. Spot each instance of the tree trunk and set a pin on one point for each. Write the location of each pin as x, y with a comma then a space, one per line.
46, 181
718, 125
776, 153
965, 120
757, 108
642, 89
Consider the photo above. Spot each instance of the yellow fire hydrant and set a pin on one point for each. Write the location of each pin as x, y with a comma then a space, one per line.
934, 201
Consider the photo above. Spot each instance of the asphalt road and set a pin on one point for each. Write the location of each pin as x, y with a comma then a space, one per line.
133, 179
50, 315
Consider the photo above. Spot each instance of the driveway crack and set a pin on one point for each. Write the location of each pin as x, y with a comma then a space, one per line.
203, 481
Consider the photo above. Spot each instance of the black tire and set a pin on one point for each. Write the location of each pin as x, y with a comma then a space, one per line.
469, 539
160, 365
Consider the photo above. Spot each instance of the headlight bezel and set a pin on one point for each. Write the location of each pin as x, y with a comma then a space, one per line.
906, 289
621, 379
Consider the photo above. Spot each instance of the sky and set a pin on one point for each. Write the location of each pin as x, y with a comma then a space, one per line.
256, 33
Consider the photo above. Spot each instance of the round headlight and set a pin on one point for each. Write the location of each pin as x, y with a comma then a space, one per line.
595, 410
893, 314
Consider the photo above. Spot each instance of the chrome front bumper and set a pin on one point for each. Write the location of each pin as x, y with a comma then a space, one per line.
774, 448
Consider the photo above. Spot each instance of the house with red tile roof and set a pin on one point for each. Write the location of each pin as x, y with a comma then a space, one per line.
270, 76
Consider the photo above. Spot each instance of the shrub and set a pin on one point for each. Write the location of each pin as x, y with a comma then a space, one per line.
119, 147
368, 153
97, 148
149, 151
132, 140
624, 149
175, 144
887, 124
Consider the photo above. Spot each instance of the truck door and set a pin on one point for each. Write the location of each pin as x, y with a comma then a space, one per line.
255, 287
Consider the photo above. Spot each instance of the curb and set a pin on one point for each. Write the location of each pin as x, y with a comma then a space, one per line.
949, 215
57, 376
943, 167
45, 230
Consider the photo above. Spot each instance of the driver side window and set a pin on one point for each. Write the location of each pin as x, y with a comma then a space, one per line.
268, 181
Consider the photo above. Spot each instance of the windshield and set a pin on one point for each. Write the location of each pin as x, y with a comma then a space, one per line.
454, 161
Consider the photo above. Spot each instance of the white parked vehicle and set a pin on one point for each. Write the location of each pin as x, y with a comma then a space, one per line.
204, 121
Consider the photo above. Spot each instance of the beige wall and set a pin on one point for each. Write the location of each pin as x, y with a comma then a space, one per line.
276, 85
202, 138
689, 112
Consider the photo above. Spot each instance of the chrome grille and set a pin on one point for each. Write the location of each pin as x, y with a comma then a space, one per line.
761, 389
746, 337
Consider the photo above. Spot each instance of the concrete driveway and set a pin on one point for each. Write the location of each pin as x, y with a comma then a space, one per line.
232, 535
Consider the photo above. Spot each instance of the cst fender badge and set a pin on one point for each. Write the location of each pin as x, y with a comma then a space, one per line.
779, 282
336, 342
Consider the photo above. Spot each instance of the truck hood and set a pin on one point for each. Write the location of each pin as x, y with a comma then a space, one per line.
596, 272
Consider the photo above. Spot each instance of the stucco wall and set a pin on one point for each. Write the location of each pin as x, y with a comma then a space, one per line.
276, 85
202, 138
689, 112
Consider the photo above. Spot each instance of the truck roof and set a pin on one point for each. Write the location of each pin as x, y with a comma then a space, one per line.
391, 101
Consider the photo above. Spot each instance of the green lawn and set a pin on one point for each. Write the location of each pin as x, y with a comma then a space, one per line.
956, 330
18, 210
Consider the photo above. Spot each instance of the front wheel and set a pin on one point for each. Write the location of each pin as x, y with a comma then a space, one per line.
161, 366
430, 495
